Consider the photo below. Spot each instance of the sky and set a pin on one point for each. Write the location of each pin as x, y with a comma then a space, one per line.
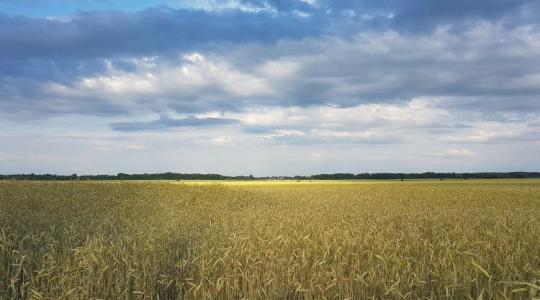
269, 87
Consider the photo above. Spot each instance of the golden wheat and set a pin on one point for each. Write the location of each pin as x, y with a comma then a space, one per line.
300, 240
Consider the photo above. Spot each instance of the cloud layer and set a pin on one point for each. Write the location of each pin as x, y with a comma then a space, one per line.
443, 81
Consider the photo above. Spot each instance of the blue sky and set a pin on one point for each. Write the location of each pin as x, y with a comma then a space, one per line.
269, 87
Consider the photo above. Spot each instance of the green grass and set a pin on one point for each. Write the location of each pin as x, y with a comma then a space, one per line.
306, 240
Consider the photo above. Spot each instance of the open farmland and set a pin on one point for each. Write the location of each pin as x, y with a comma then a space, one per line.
303, 240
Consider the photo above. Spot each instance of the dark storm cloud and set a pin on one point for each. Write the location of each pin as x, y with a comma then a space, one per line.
165, 122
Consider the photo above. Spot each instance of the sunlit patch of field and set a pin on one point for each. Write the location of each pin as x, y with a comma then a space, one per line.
273, 182
453, 239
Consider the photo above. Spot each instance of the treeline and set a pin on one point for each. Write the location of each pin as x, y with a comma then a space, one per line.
124, 176
427, 175
335, 176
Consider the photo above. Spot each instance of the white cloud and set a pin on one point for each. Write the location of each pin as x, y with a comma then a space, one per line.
368, 134
279, 70
492, 132
221, 5
222, 140
281, 133
197, 78
415, 112
116, 147
460, 153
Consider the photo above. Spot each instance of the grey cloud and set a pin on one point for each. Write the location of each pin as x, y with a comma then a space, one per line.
404, 15
419, 14
149, 32
481, 67
37, 51
165, 122
484, 69
496, 107
160, 30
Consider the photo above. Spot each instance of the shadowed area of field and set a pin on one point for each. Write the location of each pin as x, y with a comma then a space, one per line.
303, 240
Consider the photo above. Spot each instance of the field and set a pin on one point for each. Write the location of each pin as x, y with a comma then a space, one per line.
474, 239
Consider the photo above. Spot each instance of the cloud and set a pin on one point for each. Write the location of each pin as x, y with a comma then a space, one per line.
120, 63
486, 68
164, 123
412, 113
459, 153
91, 34
273, 83
332, 125
403, 122
410, 15
222, 140
115, 147
387, 137
280, 5
195, 84
329, 136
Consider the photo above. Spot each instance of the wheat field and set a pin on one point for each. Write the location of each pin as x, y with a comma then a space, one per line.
474, 239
